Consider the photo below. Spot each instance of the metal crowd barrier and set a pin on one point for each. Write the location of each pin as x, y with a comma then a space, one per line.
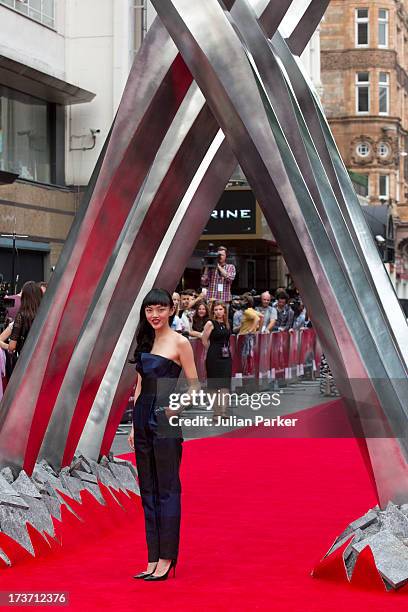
275, 356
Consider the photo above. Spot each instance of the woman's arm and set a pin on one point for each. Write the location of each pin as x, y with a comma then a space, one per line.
186, 357
12, 345
208, 327
15, 333
195, 334
5, 335
131, 436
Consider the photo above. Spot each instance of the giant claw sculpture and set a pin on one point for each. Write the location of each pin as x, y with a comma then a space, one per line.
214, 83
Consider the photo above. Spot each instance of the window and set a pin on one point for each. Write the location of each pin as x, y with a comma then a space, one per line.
360, 183
362, 27
363, 149
383, 93
24, 135
384, 186
362, 92
39, 10
383, 28
383, 149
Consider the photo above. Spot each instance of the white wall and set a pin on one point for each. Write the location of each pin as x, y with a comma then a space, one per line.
98, 58
92, 47
30, 43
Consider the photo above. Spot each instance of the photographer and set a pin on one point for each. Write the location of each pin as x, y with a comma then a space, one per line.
218, 280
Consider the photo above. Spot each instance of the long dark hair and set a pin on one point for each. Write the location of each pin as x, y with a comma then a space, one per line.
199, 322
144, 331
31, 296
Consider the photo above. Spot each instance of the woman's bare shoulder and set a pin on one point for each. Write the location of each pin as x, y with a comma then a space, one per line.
181, 340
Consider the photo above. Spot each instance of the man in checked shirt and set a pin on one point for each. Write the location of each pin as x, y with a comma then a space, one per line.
218, 280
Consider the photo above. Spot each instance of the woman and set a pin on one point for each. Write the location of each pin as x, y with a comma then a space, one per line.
218, 362
31, 296
6, 359
300, 319
200, 317
250, 323
160, 355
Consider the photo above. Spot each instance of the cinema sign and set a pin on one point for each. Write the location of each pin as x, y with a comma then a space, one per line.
235, 213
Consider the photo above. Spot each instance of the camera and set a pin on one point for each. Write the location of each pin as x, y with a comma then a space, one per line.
210, 260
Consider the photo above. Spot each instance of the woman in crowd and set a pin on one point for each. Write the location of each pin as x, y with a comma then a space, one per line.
6, 359
160, 355
216, 338
200, 317
31, 296
300, 318
250, 323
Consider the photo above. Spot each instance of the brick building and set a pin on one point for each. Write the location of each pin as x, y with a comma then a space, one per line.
364, 64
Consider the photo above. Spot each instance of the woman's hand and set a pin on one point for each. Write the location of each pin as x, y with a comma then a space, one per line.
131, 439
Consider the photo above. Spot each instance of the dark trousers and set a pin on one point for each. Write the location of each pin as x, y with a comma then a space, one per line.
158, 461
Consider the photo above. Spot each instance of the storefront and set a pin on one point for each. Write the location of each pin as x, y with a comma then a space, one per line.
29, 260
238, 223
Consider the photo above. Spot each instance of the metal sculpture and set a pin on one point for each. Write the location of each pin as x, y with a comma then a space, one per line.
214, 83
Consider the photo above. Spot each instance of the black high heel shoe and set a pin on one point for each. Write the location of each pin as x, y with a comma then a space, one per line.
152, 578
144, 574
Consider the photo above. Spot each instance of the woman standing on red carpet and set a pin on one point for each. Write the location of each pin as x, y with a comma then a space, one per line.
160, 355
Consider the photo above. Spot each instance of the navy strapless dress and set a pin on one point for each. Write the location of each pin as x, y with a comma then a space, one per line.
158, 449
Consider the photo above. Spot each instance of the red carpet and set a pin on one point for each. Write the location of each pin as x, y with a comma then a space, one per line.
258, 514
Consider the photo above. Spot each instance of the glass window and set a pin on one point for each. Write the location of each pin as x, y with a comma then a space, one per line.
383, 93
383, 28
21, 6
384, 182
362, 92
362, 33
48, 8
24, 135
383, 149
363, 149
40, 10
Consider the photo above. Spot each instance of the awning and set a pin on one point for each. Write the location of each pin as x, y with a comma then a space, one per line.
25, 245
40, 84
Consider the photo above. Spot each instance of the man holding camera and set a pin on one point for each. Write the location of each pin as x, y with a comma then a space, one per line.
218, 280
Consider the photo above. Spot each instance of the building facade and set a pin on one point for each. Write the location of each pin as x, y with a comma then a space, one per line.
237, 222
364, 63
63, 68
61, 81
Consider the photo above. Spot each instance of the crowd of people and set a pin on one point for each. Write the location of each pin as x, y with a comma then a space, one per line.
20, 317
211, 314
247, 314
